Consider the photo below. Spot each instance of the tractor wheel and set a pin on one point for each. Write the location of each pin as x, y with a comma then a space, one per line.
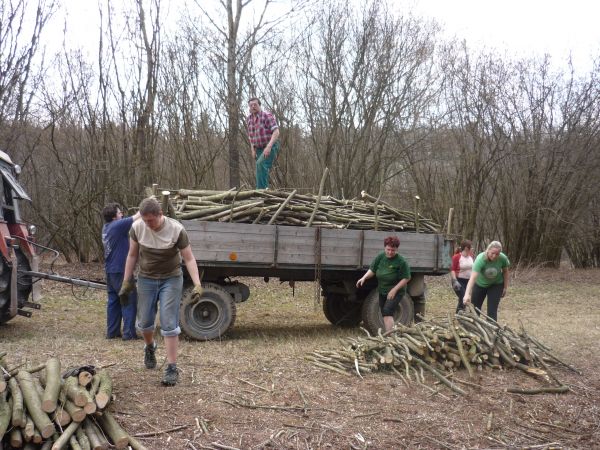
24, 284
208, 317
371, 313
341, 312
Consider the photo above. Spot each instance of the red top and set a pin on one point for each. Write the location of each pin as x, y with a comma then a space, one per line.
456, 262
260, 128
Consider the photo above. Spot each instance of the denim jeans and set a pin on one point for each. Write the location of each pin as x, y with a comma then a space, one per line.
115, 312
159, 293
263, 166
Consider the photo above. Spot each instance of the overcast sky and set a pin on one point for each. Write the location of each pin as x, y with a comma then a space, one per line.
515, 27
520, 27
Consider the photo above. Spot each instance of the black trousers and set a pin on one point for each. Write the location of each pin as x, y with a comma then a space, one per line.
461, 294
493, 293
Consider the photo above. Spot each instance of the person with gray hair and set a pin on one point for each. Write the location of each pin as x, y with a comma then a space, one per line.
489, 277
158, 244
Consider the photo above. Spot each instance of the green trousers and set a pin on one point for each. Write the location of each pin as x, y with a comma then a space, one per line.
263, 166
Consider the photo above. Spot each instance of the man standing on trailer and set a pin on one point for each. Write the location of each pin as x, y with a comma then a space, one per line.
115, 239
159, 243
263, 132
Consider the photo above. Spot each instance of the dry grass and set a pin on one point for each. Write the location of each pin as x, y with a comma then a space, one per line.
251, 386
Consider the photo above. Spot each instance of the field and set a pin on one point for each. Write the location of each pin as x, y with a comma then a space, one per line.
254, 389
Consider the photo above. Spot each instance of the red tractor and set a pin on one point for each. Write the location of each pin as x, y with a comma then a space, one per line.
16, 245
19, 265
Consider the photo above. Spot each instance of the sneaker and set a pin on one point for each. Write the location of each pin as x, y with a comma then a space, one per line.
150, 355
171, 375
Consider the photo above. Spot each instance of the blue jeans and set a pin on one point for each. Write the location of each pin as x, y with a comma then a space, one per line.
263, 165
164, 293
115, 312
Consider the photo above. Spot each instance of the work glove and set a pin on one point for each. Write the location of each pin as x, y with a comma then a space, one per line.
126, 288
456, 286
197, 292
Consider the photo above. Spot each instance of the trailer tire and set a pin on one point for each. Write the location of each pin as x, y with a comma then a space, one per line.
340, 311
211, 316
371, 313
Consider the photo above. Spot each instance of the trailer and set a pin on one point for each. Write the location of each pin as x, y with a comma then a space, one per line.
335, 258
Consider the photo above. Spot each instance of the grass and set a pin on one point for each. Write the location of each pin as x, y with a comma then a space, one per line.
251, 386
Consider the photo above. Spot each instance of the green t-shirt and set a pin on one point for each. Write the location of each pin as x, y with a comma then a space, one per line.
389, 272
490, 272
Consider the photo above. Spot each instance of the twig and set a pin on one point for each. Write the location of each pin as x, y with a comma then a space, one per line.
542, 390
222, 446
254, 385
156, 433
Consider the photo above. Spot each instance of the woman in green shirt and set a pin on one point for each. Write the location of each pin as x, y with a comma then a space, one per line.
393, 274
489, 277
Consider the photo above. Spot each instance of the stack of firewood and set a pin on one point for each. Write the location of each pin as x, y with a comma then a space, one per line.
465, 340
40, 409
291, 208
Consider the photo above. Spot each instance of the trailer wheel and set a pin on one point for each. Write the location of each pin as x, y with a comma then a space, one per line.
209, 317
371, 313
341, 312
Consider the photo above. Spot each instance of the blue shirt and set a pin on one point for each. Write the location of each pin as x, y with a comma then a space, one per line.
115, 238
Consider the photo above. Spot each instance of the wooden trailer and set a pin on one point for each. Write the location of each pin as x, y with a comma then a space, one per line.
334, 257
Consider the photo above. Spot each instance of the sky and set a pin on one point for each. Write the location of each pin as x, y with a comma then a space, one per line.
518, 28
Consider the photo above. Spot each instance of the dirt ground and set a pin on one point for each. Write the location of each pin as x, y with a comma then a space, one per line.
254, 389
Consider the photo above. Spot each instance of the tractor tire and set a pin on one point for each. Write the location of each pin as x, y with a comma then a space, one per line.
211, 316
371, 313
341, 312
24, 284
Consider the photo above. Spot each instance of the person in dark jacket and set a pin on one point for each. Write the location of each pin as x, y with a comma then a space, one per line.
115, 239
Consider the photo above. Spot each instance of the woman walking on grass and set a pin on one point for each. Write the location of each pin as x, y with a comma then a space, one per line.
489, 277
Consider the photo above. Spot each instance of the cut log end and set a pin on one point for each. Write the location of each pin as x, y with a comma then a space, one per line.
47, 431
89, 408
102, 400
49, 406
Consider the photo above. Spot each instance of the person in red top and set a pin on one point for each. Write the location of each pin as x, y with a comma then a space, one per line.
462, 264
263, 133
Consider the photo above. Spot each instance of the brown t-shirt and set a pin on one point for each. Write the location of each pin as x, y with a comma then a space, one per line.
159, 255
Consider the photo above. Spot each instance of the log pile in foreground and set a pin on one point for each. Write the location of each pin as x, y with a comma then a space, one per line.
291, 208
464, 341
40, 409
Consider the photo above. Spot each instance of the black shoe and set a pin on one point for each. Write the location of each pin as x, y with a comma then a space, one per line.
171, 375
150, 356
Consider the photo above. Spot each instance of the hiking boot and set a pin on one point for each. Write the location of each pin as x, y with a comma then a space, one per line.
150, 355
171, 375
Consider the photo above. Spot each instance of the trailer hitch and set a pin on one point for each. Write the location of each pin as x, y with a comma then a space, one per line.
61, 279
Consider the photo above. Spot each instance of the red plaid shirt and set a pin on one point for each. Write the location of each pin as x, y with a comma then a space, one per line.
260, 128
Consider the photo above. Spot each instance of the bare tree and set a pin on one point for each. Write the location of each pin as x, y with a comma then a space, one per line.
367, 78
235, 58
21, 26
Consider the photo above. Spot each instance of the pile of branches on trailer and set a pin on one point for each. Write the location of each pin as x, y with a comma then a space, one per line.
42, 409
291, 208
464, 341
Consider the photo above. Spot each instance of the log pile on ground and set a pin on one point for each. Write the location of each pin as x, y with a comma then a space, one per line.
40, 409
440, 347
291, 208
